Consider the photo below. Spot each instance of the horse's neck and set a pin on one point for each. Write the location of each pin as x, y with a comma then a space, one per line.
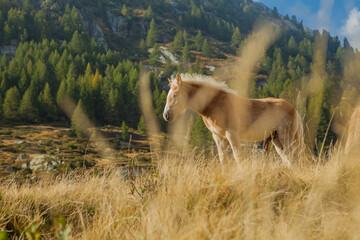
202, 97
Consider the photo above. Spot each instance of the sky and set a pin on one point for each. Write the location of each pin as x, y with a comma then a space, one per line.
339, 17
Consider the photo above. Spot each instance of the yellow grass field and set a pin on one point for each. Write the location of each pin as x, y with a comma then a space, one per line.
191, 197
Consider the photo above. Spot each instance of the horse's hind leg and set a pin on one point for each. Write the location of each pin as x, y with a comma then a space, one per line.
280, 148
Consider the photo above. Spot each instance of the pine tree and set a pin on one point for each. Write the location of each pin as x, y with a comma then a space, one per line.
142, 46
124, 132
292, 45
72, 85
151, 37
1, 107
168, 69
178, 43
79, 43
23, 84
46, 102
141, 125
3, 63
149, 14
11, 104
27, 108
197, 68
235, 39
61, 94
185, 36
199, 39
185, 57
96, 79
113, 107
124, 11
154, 56
76, 120
206, 50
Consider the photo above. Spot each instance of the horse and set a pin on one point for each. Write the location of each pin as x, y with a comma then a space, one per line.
353, 132
234, 119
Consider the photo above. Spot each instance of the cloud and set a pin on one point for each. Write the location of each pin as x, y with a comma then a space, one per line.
351, 29
324, 14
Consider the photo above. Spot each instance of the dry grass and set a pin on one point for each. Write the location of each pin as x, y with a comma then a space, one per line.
194, 197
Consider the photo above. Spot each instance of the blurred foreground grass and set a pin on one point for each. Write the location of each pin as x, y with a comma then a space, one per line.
191, 197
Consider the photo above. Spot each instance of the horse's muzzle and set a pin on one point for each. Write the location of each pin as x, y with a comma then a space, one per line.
167, 116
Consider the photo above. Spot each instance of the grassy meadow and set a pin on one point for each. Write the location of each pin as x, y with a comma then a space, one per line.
188, 196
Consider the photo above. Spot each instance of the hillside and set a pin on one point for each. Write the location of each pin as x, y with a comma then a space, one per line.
93, 52
75, 158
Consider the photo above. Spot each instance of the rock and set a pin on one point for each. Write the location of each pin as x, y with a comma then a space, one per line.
99, 36
118, 25
22, 157
58, 150
8, 50
26, 171
19, 142
24, 165
41, 141
43, 163
11, 169
165, 53
210, 68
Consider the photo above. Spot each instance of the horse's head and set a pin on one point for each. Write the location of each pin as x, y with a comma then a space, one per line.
176, 101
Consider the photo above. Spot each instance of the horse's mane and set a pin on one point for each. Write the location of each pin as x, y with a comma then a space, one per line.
204, 81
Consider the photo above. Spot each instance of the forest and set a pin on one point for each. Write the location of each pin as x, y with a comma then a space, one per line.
57, 56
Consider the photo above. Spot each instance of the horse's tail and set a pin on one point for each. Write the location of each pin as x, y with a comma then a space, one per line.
353, 132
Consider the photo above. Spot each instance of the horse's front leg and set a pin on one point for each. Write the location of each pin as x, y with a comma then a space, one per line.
234, 141
221, 144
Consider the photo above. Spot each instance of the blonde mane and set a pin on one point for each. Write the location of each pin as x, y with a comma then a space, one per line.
203, 80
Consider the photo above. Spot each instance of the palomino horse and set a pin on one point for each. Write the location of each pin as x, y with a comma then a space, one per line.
353, 138
234, 119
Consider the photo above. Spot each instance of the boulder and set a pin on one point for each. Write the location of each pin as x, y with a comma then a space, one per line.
19, 142
11, 169
44, 163
22, 157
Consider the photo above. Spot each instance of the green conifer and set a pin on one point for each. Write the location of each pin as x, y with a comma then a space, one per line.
124, 132
27, 109
76, 120
141, 125
199, 39
206, 50
151, 37
11, 104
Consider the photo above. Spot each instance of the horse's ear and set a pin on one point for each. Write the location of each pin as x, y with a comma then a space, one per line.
178, 79
169, 80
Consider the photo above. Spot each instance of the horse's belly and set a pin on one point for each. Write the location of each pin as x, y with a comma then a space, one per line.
256, 134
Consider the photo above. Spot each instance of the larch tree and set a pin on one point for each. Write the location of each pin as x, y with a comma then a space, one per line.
199, 39
151, 37
27, 109
11, 104
206, 49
